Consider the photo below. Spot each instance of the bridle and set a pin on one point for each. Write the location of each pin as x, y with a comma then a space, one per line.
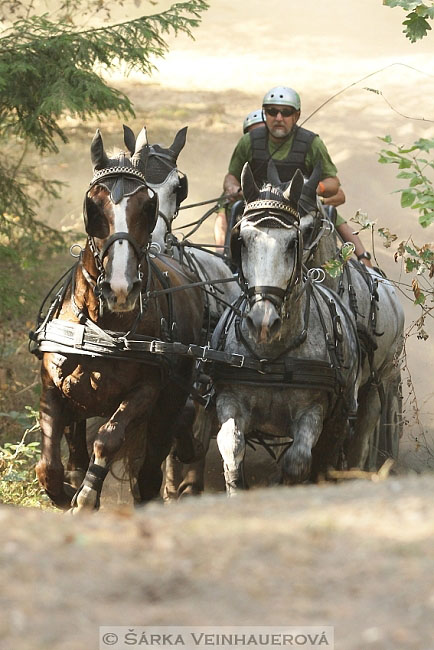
276, 214
168, 162
132, 180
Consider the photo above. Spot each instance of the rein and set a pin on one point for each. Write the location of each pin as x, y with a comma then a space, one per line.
195, 205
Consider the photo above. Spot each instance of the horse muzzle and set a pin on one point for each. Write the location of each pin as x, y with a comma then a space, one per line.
122, 298
263, 321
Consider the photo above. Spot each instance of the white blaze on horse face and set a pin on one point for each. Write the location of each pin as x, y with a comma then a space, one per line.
122, 251
166, 205
266, 258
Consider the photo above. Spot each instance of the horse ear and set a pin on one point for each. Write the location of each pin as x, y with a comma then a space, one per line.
272, 174
179, 141
308, 198
141, 148
248, 185
309, 189
98, 155
295, 188
129, 139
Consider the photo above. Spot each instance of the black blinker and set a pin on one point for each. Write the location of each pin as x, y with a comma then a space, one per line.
94, 219
182, 191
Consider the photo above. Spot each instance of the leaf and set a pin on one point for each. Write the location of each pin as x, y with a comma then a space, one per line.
388, 236
404, 163
361, 218
416, 27
422, 334
405, 4
424, 144
347, 251
407, 198
406, 175
411, 265
426, 220
420, 300
333, 267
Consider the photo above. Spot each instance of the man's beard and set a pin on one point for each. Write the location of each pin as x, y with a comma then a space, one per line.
279, 132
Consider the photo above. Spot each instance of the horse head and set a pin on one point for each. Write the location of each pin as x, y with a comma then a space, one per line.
120, 212
163, 176
268, 247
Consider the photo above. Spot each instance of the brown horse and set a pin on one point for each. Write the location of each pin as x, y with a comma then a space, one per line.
118, 297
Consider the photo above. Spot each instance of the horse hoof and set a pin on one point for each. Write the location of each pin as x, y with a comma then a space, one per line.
61, 500
188, 491
296, 466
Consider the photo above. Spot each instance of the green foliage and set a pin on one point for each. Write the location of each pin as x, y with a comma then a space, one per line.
335, 266
50, 66
417, 170
416, 25
18, 482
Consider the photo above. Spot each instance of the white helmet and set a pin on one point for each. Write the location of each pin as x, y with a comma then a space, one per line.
282, 96
255, 117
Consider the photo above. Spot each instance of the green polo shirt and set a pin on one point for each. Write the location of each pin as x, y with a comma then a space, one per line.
317, 152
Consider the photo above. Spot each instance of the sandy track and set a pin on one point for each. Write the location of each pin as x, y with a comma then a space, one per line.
359, 557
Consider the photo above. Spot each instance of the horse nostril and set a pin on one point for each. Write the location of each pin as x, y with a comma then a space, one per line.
275, 327
106, 290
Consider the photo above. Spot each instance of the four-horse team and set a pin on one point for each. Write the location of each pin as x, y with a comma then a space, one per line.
172, 343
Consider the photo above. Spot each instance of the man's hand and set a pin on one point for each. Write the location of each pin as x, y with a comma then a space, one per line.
232, 188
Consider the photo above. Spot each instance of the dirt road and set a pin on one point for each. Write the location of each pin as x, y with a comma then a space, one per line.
357, 557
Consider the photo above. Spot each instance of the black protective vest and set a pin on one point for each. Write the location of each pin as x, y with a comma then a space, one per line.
287, 167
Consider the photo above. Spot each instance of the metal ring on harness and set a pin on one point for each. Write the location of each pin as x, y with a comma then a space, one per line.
316, 274
72, 249
329, 225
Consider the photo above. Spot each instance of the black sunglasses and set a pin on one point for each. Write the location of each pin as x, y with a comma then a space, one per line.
285, 112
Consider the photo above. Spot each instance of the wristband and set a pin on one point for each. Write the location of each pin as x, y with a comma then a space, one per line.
321, 187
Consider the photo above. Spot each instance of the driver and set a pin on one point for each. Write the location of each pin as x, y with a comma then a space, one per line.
291, 147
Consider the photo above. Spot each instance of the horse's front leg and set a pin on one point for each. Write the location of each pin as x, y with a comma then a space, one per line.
109, 439
53, 418
193, 481
78, 460
305, 430
232, 446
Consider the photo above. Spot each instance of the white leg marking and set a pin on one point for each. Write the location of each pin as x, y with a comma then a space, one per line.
230, 441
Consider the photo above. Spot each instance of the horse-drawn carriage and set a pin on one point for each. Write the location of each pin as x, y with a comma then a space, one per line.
124, 338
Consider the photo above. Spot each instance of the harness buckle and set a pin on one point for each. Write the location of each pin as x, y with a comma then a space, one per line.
155, 347
203, 358
261, 364
235, 358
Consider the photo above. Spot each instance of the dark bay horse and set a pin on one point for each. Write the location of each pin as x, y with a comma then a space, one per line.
119, 296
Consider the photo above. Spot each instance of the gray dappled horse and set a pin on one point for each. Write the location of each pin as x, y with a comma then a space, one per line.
299, 373
164, 177
379, 317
